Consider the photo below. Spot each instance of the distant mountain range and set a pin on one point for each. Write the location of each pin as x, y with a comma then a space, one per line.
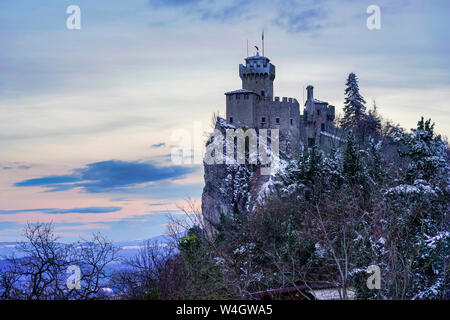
128, 248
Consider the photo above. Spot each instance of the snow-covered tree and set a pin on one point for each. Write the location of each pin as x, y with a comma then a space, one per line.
354, 168
354, 106
425, 150
418, 216
376, 169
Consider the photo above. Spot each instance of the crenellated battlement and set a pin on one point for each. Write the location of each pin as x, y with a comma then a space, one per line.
257, 70
283, 100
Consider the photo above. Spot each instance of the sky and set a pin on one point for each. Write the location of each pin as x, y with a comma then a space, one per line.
88, 117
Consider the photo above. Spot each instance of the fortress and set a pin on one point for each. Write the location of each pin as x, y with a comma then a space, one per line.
254, 106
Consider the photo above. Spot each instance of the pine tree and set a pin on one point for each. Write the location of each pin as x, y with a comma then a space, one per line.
426, 151
354, 106
352, 165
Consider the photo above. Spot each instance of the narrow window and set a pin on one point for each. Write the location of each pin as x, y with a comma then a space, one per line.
246, 96
231, 119
263, 120
238, 96
277, 120
262, 93
292, 122
323, 127
318, 112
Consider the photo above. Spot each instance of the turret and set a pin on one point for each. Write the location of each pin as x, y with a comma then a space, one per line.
310, 94
258, 75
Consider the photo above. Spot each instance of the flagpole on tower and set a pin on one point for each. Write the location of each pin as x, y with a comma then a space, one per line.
263, 43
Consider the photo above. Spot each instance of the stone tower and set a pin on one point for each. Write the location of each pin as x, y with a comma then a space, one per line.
318, 119
258, 75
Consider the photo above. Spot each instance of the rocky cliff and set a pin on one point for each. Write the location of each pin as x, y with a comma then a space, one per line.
229, 188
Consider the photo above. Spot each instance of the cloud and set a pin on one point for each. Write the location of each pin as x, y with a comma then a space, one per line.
176, 3
15, 165
158, 145
217, 10
157, 204
107, 176
291, 15
89, 226
296, 18
168, 212
63, 211
232, 10
49, 180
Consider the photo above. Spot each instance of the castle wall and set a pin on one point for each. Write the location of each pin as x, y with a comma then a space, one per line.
283, 115
253, 111
240, 109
